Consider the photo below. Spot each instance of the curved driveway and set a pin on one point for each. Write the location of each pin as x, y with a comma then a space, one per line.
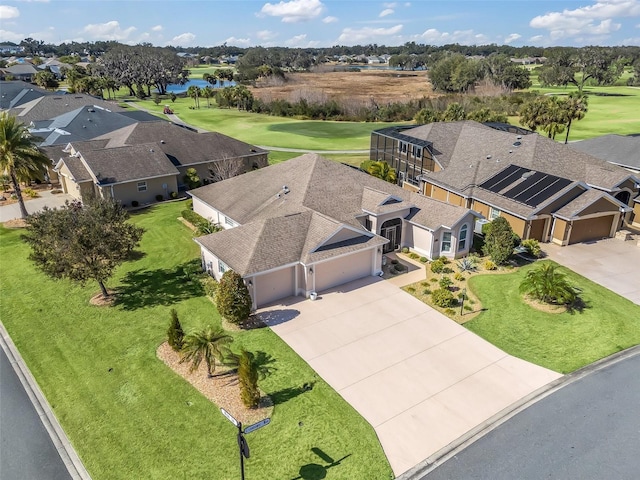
589, 429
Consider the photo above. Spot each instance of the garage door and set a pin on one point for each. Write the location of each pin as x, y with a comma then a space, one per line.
274, 286
343, 270
591, 229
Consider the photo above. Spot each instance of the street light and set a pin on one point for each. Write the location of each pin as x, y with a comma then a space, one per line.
464, 292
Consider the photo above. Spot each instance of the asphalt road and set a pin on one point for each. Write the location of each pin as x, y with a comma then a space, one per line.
590, 429
26, 450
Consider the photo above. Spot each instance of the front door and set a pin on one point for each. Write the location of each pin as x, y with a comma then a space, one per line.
390, 234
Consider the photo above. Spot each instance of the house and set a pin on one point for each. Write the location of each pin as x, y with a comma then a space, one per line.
310, 224
24, 71
145, 162
546, 190
16, 92
621, 150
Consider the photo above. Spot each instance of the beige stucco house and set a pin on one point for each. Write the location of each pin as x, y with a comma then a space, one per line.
546, 190
310, 224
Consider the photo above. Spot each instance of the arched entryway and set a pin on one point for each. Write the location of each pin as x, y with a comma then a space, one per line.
392, 230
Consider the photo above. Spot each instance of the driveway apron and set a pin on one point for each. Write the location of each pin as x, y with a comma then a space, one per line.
421, 380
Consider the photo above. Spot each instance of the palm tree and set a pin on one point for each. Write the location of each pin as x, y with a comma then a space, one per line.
208, 344
548, 285
383, 171
210, 78
20, 158
194, 92
207, 92
575, 109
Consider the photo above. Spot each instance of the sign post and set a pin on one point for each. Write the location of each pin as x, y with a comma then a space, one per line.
243, 446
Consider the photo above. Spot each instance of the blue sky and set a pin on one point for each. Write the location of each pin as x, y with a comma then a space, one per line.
321, 23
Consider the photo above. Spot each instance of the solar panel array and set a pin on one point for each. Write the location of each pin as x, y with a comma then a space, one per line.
531, 187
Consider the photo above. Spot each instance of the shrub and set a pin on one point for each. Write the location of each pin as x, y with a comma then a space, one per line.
433, 280
467, 308
450, 311
445, 282
210, 286
443, 259
232, 298
437, 266
248, 379
191, 178
405, 250
159, 198
471, 301
489, 265
411, 290
30, 192
447, 270
394, 262
459, 277
533, 247
399, 268
426, 291
466, 264
56, 191
424, 284
499, 241
413, 255
135, 203
423, 259
175, 334
442, 298
173, 195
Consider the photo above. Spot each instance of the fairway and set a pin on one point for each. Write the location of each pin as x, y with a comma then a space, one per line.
126, 413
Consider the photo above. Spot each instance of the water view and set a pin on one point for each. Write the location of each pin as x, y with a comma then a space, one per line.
177, 88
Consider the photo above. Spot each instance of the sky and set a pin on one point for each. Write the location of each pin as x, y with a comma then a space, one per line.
323, 23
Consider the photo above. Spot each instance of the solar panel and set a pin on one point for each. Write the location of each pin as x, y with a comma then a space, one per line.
525, 186
504, 178
524, 195
548, 192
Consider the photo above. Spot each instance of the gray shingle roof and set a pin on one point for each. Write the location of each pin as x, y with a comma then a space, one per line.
317, 184
50, 106
619, 149
471, 153
14, 92
274, 242
572, 209
182, 146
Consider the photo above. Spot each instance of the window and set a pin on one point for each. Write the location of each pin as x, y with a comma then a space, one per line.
228, 221
142, 186
462, 239
446, 242
222, 267
493, 213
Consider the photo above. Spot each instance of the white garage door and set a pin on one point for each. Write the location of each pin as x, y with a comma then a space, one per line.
274, 286
342, 270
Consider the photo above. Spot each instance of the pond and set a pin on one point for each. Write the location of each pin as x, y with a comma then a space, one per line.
177, 88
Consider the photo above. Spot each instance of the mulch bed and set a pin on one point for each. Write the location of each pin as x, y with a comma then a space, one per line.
222, 389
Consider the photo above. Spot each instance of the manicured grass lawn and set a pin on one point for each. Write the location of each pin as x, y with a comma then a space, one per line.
259, 129
562, 342
130, 416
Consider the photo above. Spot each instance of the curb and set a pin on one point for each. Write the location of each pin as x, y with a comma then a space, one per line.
455, 447
60, 441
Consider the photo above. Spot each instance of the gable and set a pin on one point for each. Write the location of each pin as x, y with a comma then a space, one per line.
599, 206
343, 234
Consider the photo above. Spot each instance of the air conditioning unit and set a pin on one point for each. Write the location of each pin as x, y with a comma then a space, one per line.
479, 223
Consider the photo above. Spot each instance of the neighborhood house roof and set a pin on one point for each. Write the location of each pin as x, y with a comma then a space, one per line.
623, 150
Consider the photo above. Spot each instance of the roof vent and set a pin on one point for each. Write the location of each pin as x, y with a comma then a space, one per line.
162, 141
285, 189
90, 110
151, 150
510, 151
488, 157
527, 174
84, 126
519, 137
517, 144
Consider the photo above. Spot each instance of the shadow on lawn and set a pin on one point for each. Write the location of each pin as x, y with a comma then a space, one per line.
286, 394
315, 471
147, 288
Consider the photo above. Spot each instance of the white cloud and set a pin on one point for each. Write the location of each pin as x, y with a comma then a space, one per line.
631, 41
294, 11
366, 34
183, 40
388, 11
300, 41
536, 39
238, 42
329, 19
157, 28
433, 36
512, 38
592, 20
390, 5
7, 12
108, 31
266, 35
11, 36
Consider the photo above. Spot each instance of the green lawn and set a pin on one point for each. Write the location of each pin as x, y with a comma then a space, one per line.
562, 342
259, 129
130, 416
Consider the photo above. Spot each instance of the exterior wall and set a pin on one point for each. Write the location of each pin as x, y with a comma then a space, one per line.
210, 263
456, 200
635, 219
272, 286
481, 208
517, 224
411, 188
128, 192
420, 240
378, 220
344, 269
537, 229
439, 193
248, 163
206, 211
559, 234
428, 188
599, 206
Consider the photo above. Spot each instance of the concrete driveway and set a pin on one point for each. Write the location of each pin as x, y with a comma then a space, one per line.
612, 263
46, 198
417, 377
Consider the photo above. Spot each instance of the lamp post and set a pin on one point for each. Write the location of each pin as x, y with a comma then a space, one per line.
464, 293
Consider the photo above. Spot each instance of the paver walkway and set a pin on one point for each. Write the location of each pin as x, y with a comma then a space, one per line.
421, 380
612, 263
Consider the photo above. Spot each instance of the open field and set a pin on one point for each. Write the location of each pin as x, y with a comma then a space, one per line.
562, 342
130, 416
